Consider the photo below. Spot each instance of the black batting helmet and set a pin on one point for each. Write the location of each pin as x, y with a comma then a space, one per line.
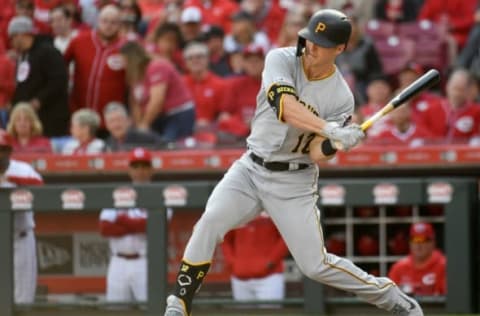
326, 28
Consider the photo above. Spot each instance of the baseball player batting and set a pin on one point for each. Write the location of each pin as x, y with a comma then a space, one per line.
303, 95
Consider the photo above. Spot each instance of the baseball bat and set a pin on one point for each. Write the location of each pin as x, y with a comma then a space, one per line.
427, 80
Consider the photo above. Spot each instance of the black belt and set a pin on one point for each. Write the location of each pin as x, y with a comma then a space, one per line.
278, 165
22, 234
129, 256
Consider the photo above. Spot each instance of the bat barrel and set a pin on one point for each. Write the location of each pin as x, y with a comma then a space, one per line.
427, 80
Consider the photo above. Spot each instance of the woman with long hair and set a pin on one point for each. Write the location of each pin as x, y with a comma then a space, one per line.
159, 98
26, 130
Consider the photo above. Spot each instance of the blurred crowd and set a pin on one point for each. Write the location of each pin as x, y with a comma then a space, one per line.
89, 76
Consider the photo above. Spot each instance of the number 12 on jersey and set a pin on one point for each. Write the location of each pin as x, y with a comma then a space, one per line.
303, 143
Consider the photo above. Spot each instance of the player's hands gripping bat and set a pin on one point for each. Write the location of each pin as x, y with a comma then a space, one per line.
427, 80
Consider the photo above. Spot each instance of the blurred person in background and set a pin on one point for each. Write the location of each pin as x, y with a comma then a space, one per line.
126, 231
426, 104
208, 89
219, 59
215, 12
267, 14
26, 131
397, 11
379, 92
423, 272
191, 24
294, 21
6, 14
254, 252
84, 126
241, 93
168, 44
61, 21
28, 8
123, 135
132, 26
360, 62
457, 15
469, 57
403, 131
41, 77
243, 33
7, 84
461, 117
160, 99
99, 76
14, 173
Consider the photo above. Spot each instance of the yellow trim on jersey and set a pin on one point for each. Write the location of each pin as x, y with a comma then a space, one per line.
280, 109
324, 251
196, 264
320, 78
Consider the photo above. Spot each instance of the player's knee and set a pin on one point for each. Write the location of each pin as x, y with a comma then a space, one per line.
210, 224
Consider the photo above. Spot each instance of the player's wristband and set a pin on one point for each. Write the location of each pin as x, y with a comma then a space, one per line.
327, 148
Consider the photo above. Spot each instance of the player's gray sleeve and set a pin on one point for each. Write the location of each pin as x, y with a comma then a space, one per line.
279, 69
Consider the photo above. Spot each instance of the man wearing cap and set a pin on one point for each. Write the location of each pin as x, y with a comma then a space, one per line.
41, 77
303, 105
14, 173
191, 24
125, 228
423, 271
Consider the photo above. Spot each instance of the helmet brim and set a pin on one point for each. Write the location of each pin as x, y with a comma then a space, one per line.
317, 40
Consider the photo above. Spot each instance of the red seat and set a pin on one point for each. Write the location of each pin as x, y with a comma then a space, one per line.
422, 30
395, 52
431, 48
379, 30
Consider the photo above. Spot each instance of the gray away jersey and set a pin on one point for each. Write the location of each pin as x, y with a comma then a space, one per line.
330, 98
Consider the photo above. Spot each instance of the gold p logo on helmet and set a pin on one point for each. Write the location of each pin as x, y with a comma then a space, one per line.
320, 27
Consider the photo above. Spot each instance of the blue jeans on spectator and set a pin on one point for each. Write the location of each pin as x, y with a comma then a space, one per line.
3, 118
175, 126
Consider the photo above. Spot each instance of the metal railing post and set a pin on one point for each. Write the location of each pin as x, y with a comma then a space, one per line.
6, 260
157, 261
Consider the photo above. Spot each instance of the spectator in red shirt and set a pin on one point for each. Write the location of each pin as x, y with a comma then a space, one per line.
215, 12
99, 75
7, 84
461, 116
28, 8
255, 254
458, 15
379, 92
403, 131
26, 130
6, 13
160, 99
207, 88
426, 105
242, 93
423, 271
268, 15
84, 126
168, 43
